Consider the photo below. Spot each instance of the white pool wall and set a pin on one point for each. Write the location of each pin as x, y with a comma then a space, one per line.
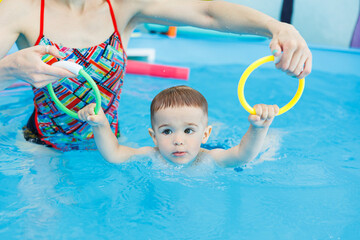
321, 22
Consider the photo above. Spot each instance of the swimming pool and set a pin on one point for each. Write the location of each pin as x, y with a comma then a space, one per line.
305, 185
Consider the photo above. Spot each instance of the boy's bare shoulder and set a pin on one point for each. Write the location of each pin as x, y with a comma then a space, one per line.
214, 153
217, 155
206, 153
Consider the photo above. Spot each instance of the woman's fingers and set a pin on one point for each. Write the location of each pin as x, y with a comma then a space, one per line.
307, 68
275, 47
56, 71
27, 64
285, 59
296, 64
51, 50
299, 67
296, 57
297, 60
40, 80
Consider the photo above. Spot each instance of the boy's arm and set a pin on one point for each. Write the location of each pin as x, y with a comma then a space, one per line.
105, 139
111, 150
251, 142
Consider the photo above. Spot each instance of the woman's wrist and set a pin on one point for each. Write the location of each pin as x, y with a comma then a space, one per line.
275, 27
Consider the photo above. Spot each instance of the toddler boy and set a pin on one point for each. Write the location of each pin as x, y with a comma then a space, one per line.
179, 120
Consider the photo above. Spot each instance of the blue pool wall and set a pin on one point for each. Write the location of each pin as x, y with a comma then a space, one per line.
334, 60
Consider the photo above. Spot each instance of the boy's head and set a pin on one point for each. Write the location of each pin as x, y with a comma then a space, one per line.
179, 117
178, 96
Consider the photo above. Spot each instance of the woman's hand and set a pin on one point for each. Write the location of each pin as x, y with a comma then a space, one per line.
296, 57
27, 65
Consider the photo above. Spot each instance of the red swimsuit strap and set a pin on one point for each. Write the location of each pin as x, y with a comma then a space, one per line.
41, 33
115, 25
42, 7
113, 17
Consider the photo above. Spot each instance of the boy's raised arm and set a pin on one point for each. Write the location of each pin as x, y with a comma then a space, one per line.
251, 142
105, 139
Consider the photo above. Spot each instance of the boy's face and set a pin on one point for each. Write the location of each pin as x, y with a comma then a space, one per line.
178, 133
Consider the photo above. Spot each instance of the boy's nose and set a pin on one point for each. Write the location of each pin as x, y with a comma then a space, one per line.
178, 141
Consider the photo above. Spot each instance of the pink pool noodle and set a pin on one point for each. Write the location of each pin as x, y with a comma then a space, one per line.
157, 70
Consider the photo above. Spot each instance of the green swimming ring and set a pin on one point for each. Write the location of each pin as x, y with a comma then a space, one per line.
77, 70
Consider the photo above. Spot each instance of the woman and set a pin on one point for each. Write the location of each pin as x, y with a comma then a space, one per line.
94, 34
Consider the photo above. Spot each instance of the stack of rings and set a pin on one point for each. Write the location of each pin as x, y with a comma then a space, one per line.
246, 74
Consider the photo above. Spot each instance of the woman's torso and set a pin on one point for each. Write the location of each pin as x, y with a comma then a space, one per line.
104, 61
72, 28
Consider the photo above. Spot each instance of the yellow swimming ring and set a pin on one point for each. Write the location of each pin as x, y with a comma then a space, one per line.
246, 74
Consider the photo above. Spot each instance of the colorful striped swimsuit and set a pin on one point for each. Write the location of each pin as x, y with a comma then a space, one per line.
105, 63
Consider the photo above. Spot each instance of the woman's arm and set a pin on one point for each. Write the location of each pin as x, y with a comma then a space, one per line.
9, 25
235, 18
217, 15
9, 32
26, 64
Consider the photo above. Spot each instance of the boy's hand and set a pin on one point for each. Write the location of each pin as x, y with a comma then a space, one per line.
264, 115
88, 114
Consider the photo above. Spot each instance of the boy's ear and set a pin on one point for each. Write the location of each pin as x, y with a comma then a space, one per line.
207, 133
152, 135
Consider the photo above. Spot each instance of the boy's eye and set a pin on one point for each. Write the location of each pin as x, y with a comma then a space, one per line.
166, 131
188, 131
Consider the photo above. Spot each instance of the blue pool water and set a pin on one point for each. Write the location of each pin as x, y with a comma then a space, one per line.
304, 185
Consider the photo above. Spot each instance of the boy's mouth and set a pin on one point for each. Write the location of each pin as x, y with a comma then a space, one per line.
178, 154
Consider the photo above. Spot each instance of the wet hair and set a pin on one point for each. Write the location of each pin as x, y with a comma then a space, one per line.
178, 96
